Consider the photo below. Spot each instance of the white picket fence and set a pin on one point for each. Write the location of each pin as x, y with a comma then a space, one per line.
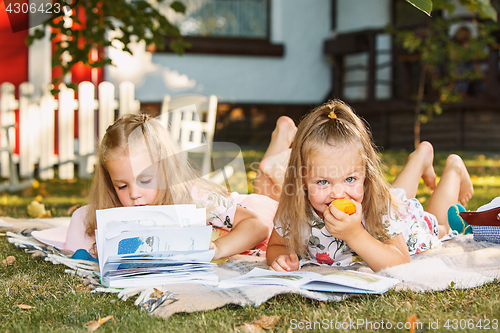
37, 119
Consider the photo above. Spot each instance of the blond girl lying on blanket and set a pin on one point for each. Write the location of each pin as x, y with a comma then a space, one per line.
139, 165
332, 156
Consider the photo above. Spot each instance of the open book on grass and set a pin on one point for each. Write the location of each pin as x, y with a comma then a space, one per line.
154, 245
341, 281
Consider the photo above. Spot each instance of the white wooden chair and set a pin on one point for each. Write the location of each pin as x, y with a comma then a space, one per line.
191, 122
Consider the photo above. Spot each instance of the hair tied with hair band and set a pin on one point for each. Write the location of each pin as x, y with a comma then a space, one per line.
332, 115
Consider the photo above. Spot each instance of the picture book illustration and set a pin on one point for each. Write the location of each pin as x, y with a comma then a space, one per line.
138, 245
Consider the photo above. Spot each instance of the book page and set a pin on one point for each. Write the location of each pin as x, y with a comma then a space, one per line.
156, 216
354, 280
158, 239
258, 276
160, 261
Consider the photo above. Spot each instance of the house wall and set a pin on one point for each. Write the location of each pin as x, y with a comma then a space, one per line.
13, 52
362, 14
300, 76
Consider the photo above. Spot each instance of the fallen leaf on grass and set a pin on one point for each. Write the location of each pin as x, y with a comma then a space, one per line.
412, 320
249, 328
25, 306
82, 287
37, 210
220, 261
156, 293
9, 261
267, 322
93, 325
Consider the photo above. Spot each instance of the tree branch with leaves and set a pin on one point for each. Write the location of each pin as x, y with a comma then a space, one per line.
134, 21
445, 62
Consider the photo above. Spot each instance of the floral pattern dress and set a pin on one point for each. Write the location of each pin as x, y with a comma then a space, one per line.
418, 227
221, 211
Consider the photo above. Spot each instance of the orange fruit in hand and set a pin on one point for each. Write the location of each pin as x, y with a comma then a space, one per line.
345, 205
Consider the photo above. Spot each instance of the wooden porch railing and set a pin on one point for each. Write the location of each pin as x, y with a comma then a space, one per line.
470, 124
367, 42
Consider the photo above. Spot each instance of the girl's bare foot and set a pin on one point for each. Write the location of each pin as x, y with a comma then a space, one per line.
429, 178
282, 136
425, 151
275, 166
466, 187
285, 129
274, 162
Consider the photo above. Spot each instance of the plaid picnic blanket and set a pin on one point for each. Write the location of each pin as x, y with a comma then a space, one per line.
459, 263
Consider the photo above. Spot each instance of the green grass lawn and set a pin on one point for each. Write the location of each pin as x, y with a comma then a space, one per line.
61, 304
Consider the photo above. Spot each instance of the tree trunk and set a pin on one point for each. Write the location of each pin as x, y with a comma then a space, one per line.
418, 108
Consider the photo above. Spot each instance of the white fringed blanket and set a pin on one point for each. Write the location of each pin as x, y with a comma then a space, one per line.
459, 263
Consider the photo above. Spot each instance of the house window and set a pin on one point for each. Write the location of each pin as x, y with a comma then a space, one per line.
226, 26
224, 18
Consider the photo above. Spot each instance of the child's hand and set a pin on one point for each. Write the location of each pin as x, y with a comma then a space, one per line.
285, 263
213, 246
341, 225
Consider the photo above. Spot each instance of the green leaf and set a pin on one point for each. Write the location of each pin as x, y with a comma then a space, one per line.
179, 46
423, 118
437, 108
137, 20
423, 5
490, 13
73, 86
39, 33
178, 6
29, 40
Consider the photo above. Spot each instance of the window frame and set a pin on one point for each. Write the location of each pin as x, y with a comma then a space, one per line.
233, 45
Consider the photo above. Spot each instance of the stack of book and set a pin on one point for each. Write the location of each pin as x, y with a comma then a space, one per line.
153, 246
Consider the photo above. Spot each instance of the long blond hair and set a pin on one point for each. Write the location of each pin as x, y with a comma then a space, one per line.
340, 128
129, 135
